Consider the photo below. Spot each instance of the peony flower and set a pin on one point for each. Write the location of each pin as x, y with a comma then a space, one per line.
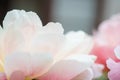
29, 50
114, 73
106, 39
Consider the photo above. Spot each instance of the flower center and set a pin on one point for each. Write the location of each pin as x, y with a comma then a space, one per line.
1, 66
28, 78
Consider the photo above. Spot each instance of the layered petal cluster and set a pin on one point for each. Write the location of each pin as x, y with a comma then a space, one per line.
106, 39
114, 73
29, 50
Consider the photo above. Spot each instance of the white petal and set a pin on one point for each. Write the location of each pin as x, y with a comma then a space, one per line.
30, 64
19, 23
64, 70
98, 70
40, 63
79, 42
27, 23
85, 60
76, 42
48, 39
1, 33
52, 28
35, 20
12, 41
47, 43
85, 75
1, 46
20, 18
117, 52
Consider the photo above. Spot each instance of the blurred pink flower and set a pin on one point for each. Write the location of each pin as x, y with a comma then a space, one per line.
30, 51
106, 39
114, 73
2, 76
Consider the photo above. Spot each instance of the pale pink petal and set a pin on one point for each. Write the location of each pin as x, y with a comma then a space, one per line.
40, 63
52, 28
30, 64
19, 28
49, 39
97, 70
64, 70
3, 76
17, 62
47, 43
85, 75
1, 42
17, 75
114, 73
110, 63
76, 42
85, 60
2, 54
117, 52
35, 20
20, 19
12, 41
108, 33
28, 23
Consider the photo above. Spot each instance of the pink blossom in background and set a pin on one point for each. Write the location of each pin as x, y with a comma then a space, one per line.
106, 39
29, 50
114, 73
2, 76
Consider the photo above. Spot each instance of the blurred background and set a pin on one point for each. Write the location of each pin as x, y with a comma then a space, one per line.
73, 14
